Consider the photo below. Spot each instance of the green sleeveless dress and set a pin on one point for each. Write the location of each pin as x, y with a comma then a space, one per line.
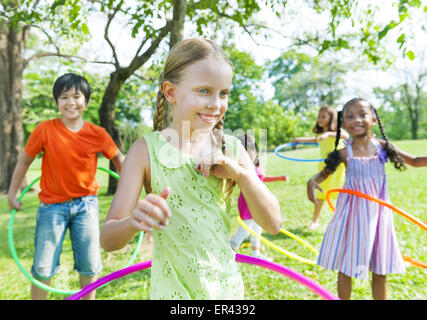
192, 257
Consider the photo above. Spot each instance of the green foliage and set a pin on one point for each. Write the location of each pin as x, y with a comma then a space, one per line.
302, 81
395, 113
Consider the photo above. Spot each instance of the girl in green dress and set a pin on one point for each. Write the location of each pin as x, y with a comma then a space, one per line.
188, 167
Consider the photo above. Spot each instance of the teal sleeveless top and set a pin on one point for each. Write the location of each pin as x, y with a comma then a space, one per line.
192, 257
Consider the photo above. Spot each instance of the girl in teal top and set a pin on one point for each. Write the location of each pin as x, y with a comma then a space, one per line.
189, 167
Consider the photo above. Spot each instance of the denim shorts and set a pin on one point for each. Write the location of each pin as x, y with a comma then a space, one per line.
81, 215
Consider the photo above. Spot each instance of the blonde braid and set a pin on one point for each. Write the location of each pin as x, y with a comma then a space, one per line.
161, 107
218, 132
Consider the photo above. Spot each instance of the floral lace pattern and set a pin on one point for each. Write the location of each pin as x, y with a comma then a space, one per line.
192, 258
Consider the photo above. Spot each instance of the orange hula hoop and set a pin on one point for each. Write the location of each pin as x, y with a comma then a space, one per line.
386, 204
381, 202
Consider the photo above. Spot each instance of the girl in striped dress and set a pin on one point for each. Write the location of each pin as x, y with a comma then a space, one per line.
360, 236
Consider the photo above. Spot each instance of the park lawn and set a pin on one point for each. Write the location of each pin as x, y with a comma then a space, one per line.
407, 191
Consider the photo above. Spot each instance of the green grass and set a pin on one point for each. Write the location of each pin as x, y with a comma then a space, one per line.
407, 191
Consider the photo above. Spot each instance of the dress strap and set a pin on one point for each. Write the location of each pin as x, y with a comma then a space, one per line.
382, 154
349, 148
377, 144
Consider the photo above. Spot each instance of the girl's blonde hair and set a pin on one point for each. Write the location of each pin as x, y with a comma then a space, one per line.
179, 59
332, 123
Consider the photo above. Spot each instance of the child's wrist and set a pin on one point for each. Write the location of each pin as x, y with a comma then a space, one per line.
241, 175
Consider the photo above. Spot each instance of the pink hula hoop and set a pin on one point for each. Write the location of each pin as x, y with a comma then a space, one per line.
298, 277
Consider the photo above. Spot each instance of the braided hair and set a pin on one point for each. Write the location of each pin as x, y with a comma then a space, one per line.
333, 159
218, 132
162, 108
392, 154
180, 57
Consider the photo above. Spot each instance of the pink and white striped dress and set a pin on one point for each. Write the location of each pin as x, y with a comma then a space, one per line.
360, 236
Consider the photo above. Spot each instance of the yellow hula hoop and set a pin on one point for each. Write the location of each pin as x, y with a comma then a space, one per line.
303, 242
386, 204
281, 250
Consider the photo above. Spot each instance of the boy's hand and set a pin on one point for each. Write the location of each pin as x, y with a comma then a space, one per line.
312, 185
13, 203
152, 212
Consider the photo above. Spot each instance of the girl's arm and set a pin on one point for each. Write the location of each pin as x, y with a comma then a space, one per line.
408, 158
304, 140
262, 204
412, 160
344, 135
314, 182
24, 162
127, 214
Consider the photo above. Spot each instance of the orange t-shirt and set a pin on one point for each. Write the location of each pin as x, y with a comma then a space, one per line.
70, 159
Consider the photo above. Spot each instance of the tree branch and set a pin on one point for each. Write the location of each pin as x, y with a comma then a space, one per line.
106, 31
66, 56
138, 61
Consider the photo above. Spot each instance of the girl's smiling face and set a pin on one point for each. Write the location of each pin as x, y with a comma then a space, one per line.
358, 119
201, 96
323, 119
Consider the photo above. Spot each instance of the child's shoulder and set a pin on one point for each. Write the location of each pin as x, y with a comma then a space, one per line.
47, 125
48, 122
139, 146
95, 127
381, 142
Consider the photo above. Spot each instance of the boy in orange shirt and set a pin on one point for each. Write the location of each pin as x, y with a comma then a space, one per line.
68, 196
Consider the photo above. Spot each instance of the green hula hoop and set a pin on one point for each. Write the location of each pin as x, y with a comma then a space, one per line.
22, 269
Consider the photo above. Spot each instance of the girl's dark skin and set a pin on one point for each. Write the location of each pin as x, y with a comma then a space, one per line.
358, 118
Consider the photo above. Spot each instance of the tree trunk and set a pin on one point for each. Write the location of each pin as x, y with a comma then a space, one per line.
178, 22
107, 118
12, 43
118, 78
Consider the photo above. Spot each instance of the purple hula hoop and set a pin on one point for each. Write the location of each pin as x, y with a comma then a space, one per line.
308, 282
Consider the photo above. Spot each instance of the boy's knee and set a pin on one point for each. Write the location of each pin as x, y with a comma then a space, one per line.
42, 272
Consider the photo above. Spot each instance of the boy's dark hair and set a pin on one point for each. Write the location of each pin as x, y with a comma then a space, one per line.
71, 80
332, 160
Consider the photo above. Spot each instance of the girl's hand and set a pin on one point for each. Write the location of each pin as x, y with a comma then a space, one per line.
151, 212
218, 165
323, 136
312, 185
